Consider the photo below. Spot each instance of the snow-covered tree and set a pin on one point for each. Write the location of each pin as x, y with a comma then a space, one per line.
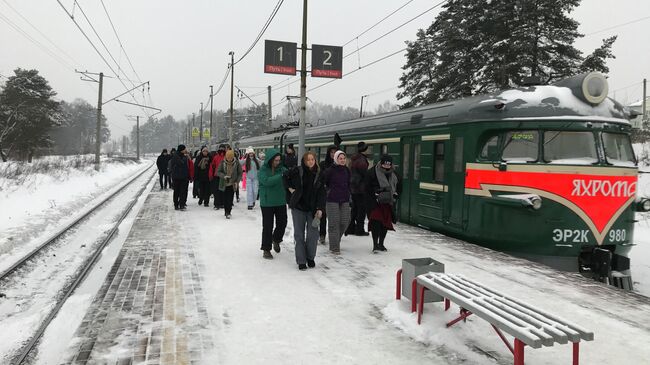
477, 46
27, 114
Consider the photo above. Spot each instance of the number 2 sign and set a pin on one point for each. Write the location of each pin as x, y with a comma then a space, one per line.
326, 61
279, 57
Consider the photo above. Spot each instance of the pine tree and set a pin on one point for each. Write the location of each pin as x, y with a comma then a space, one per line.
478, 46
26, 103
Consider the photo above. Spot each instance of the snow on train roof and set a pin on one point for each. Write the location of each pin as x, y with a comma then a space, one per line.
524, 103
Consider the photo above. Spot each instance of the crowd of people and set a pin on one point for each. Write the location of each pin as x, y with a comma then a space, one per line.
332, 198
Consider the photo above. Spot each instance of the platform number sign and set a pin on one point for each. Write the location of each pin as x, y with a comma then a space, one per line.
326, 61
280, 57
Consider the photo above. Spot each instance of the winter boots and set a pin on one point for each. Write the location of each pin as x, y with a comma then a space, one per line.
321, 240
267, 255
302, 267
276, 246
311, 263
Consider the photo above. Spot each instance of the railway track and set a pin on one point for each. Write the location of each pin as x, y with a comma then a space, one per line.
72, 282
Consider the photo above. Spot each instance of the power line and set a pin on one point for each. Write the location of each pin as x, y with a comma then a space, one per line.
379, 22
266, 25
617, 26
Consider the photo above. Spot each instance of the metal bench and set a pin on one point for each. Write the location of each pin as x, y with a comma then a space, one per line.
527, 324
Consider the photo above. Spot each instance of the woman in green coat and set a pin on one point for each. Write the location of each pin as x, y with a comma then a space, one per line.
272, 202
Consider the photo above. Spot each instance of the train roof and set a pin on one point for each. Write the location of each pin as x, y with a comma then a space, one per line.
547, 102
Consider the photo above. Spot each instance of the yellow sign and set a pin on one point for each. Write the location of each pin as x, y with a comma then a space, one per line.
206, 133
195, 132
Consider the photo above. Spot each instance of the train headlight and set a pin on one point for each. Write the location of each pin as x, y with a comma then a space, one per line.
643, 205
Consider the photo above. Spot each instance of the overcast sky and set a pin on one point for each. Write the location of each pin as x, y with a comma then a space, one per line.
182, 47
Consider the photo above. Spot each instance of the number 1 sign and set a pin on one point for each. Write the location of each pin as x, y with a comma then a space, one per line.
326, 61
279, 57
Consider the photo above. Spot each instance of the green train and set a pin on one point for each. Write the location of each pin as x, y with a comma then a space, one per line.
542, 172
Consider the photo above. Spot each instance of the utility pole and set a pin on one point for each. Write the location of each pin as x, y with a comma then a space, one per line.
201, 125
232, 87
137, 137
361, 108
98, 135
270, 119
645, 116
211, 135
191, 129
303, 82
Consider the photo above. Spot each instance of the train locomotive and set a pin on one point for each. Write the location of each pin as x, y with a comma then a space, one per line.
544, 172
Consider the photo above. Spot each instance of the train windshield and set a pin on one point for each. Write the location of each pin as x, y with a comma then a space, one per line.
572, 148
618, 149
521, 146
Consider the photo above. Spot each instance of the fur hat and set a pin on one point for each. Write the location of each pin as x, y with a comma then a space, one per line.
249, 149
362, 147
337, 154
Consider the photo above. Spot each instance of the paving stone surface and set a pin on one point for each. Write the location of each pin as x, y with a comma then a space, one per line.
151, 308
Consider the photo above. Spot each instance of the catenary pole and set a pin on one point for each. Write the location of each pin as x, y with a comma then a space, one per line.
201, 126
303, 83
232, 88
137, 137
645, 107
270, 118
211, 134
98, 134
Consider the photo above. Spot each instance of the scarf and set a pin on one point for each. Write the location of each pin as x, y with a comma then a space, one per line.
387, 188
229, 170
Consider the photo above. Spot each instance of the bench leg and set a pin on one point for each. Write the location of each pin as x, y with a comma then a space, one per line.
576, 353
398, 291
464, 313
519, 352
503, 338
447, 304
421, 309
414, 295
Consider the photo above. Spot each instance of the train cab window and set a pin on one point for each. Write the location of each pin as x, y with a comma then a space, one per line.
490, 150
568, 147
521, 146
439, 162
405, 160
618, 149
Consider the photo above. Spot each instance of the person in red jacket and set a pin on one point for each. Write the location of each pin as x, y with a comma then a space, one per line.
214, 178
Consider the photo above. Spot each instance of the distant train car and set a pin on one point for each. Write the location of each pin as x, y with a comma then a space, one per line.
543, 172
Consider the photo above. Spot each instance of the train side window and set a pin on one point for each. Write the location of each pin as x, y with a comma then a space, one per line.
406, 149
521, 146
490, 151
384, 149
439, 162
416, 161
371, 156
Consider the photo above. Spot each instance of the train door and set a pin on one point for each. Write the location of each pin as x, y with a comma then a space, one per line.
456, 178
410, 172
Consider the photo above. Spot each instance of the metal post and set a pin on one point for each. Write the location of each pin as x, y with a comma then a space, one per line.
211, 134
361, 108
645, 117
98, 135
303, 82
137, 137
192, 130
270, 119
232, 87
201, 126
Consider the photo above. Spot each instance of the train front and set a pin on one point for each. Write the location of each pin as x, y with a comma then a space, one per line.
564, 189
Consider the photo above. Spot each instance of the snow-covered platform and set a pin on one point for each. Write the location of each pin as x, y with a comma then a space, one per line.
192, 287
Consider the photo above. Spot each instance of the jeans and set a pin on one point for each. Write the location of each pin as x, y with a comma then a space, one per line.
305, 246
338, 218
163, 178
269, 235
180, 192
251, 191
204, 192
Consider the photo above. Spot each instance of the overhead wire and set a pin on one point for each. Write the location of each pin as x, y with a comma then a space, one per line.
618, 26
261, 33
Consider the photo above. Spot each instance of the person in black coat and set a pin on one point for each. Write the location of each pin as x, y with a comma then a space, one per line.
383, 190
290, 158
324, 165
162, 163
307, 203
202, 176
179, 167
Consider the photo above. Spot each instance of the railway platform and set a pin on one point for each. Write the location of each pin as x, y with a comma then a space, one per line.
192, 288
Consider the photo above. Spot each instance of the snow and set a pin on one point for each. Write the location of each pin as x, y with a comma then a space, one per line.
38, 199
344, 310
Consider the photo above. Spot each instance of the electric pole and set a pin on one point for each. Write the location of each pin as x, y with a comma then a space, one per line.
201, 127
191, 130
137, 137
232, 87
211, 135
98, 135
270, 119
645, 117
303, 82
